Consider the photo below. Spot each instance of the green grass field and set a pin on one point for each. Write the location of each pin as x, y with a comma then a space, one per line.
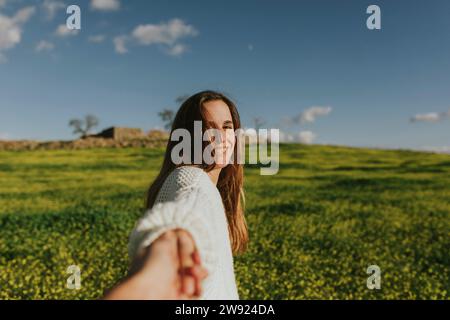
315, 227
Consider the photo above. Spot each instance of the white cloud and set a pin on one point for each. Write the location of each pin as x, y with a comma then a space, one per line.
430, 117
44, 45
24, 14
105, 5
97, 38
120, 44
51, 7
177, 49
11, 29
62, 31
305, 137
5, 136
307, 116
167, 34
310, 114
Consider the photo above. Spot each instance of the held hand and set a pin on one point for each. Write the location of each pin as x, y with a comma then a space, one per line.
175, 259
170, 268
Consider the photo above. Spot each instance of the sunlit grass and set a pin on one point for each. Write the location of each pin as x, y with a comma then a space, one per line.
315, 227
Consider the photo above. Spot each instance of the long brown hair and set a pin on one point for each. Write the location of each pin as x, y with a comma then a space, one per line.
230, 182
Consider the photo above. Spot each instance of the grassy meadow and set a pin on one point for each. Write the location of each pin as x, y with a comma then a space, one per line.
315, 227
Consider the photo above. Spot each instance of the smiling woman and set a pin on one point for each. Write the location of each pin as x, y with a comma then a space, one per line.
324, 214
203, 199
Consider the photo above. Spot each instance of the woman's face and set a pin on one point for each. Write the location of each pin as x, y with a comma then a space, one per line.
218, 113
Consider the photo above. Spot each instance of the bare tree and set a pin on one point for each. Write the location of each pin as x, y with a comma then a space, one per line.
84, 126
167, 117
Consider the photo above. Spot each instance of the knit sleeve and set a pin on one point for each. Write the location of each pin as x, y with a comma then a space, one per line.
190, 211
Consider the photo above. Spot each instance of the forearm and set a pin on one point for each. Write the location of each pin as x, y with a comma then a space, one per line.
134, 287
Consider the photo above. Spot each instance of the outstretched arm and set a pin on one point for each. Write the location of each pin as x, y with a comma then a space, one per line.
170, 268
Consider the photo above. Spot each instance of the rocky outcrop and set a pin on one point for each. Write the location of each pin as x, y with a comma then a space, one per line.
149, 141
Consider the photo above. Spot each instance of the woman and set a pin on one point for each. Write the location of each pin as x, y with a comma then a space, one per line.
202, 201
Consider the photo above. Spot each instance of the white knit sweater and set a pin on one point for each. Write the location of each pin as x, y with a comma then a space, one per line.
189, 200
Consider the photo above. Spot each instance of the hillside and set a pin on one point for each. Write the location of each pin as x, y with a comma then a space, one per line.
315, 227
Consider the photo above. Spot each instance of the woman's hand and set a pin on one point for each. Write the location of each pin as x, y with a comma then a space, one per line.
170, 268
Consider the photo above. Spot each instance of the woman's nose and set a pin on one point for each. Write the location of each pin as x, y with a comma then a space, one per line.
221, 137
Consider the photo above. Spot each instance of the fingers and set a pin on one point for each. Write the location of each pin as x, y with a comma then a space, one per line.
189, 285
186, 248
192, 273
198, 273
176, 260
163, 252
196, 257
192, 279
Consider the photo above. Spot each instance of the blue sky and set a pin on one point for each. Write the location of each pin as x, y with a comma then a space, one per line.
276, 59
